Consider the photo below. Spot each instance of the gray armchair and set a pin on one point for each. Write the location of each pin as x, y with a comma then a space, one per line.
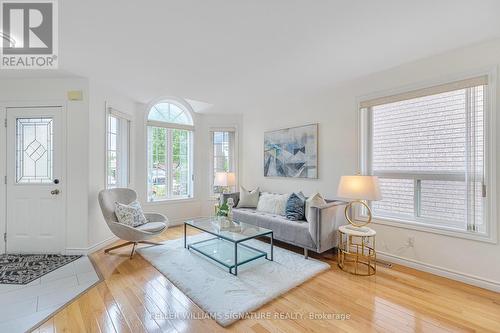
157, 223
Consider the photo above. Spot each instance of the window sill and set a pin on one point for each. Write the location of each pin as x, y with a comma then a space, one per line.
171, 201
487, 238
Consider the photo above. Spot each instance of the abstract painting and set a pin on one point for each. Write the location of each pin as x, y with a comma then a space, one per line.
291, 152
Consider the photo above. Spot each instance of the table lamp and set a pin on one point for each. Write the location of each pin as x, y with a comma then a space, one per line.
359, 188
225, 180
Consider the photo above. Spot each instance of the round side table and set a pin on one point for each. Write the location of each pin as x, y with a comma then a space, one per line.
356, 251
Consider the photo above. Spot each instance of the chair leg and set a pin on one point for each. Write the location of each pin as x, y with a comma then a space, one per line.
134, 244
117, 247
306, 253
150, 243
133, 250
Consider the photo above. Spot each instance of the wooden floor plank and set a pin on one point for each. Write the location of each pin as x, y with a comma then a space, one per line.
135, 297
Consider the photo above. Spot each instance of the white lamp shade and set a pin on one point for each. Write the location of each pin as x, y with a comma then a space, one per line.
225, 179
359, 188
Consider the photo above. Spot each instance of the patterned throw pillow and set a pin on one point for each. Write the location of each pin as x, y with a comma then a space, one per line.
295, 207
131, 215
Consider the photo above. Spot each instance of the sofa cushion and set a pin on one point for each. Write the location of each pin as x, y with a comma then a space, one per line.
294, 232
315, 200
248, 199
295, 207
273, 203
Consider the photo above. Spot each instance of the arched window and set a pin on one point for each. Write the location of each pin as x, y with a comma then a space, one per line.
170, 152
168, 112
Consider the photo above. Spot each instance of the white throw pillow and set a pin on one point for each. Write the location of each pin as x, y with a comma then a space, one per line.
315, 200
131, 215
273, 203
248, 199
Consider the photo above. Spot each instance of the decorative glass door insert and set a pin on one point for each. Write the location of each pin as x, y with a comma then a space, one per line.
34, 150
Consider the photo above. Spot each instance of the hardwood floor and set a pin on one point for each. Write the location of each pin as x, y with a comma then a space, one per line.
135, 297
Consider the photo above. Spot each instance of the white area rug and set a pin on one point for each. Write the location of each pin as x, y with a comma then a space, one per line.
227, 298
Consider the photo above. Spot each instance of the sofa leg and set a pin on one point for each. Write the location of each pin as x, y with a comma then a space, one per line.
306, 253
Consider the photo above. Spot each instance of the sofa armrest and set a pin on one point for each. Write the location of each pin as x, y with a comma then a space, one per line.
234, 195
325, 222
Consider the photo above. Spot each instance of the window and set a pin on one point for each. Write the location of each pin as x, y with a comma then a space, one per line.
117, 149
428, 149
170, 151
223, 157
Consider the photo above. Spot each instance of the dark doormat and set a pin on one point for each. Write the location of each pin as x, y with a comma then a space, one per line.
24, 268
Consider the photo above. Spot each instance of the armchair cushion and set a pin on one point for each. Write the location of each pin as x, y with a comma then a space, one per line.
152, 226
131, 215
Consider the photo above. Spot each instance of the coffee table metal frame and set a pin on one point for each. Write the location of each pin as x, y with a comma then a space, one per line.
233, 269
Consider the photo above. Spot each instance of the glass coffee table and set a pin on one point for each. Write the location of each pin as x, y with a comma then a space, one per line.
227, 247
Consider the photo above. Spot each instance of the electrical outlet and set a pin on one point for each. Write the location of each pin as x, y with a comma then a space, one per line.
411, 241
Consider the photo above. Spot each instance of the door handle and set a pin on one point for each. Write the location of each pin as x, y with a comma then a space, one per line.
55, 192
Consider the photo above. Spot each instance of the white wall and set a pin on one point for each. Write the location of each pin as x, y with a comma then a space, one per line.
335, 110
100, 97
201, 203
54, 90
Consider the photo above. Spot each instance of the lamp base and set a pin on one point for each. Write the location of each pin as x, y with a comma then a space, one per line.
362, 223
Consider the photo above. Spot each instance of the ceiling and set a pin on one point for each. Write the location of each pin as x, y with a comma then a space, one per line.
236, 54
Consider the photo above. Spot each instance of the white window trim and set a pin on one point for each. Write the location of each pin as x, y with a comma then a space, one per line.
364, 139
187, 108
234, 129
110, 111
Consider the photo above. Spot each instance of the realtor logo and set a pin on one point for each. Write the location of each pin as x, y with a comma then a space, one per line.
29, 34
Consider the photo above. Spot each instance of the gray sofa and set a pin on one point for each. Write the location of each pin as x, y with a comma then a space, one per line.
318, 235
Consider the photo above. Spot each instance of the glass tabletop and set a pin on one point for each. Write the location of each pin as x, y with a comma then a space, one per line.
229, 230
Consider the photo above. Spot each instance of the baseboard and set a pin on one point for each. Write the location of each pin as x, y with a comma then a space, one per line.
444, 272
181, 220
93, 248
106, 242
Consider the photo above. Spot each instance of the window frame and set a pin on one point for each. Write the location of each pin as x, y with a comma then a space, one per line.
235, 156
365, 138
168, 153
126, 119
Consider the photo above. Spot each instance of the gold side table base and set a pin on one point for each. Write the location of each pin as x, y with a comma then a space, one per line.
356, 254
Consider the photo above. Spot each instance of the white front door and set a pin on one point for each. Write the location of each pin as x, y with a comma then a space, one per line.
35, 183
